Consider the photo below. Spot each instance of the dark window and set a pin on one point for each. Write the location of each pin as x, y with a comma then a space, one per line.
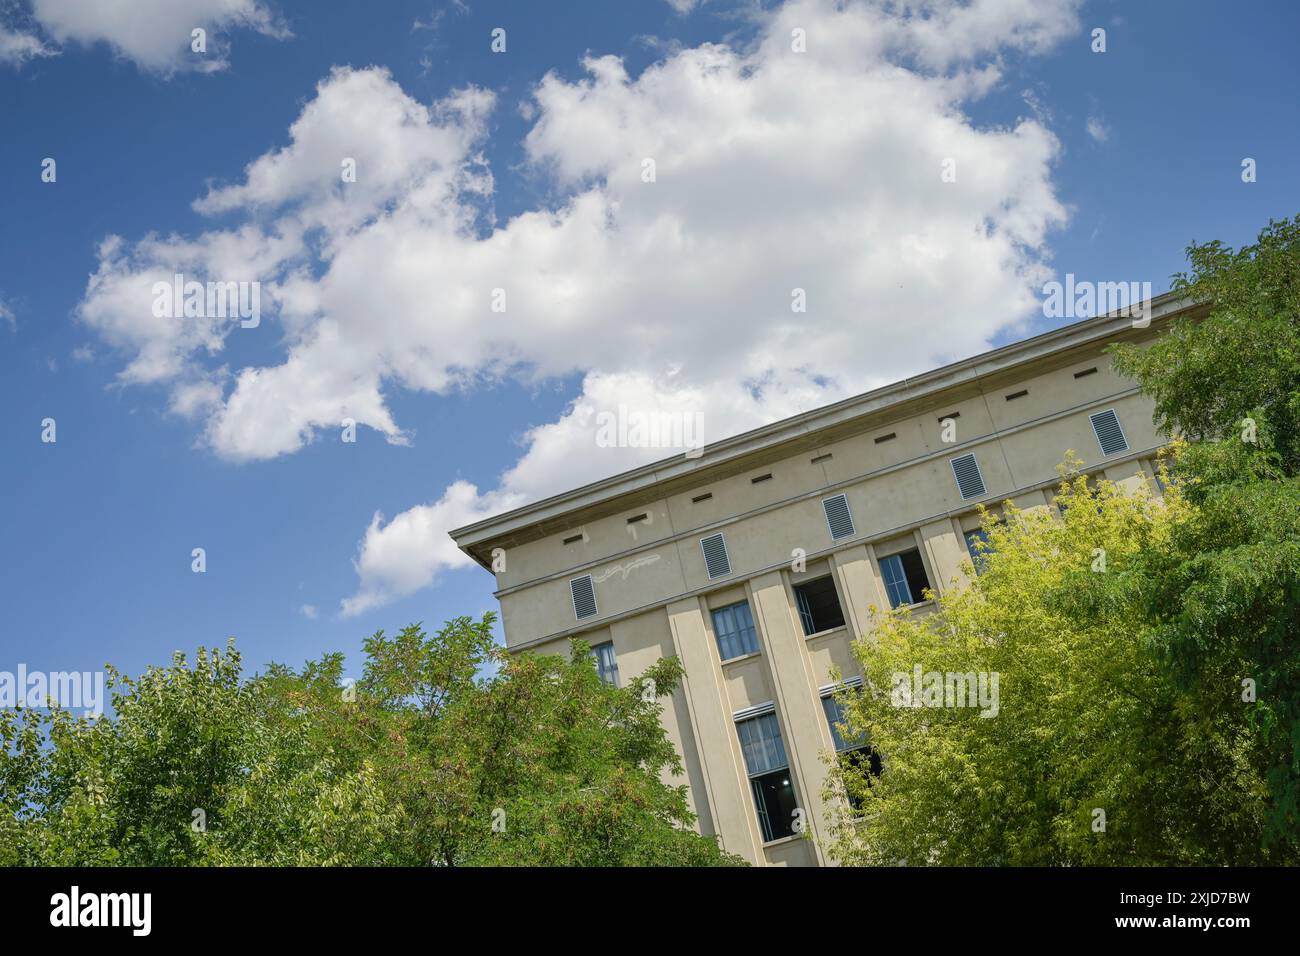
774, 800
854, 751
734, 628
819, 605
905, 577
864, 758
769, 775
606, 663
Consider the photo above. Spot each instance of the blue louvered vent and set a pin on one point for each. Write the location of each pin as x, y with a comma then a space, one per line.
1109, 433
715, 556
838, 517
584, 596
969, 480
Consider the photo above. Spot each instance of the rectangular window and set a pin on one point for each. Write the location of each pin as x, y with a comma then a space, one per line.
977, 543
734, 627
769, 775
905, 577
835, 717
606, 663
855, 750
819, 605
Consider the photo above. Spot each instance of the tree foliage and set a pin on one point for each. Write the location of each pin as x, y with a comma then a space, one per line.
446, 752
1162, 691
1091, 755
1223, 602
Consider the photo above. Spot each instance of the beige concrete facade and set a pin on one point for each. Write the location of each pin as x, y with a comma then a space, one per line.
1017, 410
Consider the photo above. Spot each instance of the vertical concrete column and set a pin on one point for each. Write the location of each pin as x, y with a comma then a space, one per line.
945, 552
713, 727
858, 586
803, 722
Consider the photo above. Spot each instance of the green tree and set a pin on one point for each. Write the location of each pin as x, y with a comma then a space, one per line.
1162, 691
424, 761
1087, 754
1224, 599
539, 763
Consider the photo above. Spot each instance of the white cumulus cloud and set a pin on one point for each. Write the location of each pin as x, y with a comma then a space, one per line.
156, 34
774, 171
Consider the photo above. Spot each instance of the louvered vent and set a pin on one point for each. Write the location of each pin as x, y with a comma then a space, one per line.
1109, 434
969, 480
715, 556
838, 517
584, 597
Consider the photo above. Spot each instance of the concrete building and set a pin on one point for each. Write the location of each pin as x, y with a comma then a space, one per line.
696, 556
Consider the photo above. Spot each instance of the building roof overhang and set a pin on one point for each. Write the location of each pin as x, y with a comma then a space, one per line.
805, 431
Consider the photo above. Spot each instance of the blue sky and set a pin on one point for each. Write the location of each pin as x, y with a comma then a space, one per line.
1129, 155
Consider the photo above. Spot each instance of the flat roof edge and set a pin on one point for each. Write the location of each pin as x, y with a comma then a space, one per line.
1076, 333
